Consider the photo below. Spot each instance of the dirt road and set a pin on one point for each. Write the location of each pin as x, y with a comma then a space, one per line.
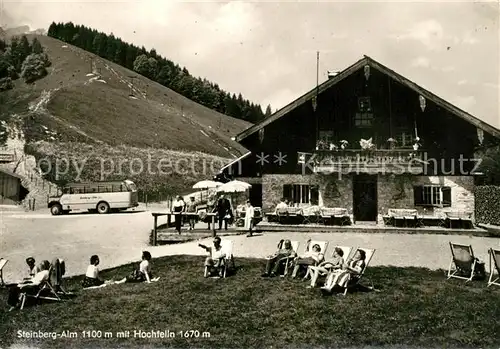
119, 239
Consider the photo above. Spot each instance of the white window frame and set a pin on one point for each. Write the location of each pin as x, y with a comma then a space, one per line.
432, 195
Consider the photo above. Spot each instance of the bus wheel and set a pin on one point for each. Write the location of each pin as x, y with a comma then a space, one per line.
102, 207
56, 210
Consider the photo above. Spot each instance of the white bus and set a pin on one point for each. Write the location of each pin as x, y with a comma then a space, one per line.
95, 196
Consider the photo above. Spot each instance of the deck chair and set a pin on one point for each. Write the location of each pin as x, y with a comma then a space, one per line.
289, 260
494, 264
355, 279
44, 290
310, 243
463, 264
3, 262
227, 262
347, 252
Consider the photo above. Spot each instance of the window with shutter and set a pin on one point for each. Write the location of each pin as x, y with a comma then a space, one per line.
432, 195
446, 196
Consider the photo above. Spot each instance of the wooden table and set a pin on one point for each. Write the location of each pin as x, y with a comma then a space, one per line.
170, 214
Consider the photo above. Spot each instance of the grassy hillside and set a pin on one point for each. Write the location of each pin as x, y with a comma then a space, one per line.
116, 106
87, 105
159, 173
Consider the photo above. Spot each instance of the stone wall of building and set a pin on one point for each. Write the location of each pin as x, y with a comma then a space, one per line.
397, 192
393, 191
334, 191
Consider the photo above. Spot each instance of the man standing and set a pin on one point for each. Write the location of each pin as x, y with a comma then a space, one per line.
191, 208
179, 206
223, 209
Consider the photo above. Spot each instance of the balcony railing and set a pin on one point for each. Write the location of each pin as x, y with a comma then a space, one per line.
364, 161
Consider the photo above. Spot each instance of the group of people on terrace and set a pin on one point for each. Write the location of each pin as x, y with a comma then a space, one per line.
221, 207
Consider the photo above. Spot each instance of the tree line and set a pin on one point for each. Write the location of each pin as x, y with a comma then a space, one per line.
159, 69
20, 58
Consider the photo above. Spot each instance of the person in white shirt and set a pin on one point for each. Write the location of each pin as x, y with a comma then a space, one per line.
25, 286
178, 206
143, 273
249, 216
216, 258
33, 268
92, 275
282, 204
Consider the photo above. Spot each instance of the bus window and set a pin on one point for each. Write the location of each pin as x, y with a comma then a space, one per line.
117, 188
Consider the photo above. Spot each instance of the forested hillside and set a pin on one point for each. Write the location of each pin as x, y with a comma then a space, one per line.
159, 69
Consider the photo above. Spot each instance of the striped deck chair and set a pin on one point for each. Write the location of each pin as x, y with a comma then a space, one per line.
464, 265
323, 245
44, 290
354, 280
349, 280
494, 265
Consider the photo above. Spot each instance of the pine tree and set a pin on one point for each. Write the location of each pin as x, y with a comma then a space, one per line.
52, 32
268, 110
36, 47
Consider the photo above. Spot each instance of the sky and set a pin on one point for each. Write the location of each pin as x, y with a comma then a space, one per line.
267, 50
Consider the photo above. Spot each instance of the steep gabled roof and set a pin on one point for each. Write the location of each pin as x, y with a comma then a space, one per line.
389, 72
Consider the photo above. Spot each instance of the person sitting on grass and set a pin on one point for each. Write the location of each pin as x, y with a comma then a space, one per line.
33, 268
143, 273
340, 277
92, 275
326, 267
28, 285
215, 260
274, 261
313, 256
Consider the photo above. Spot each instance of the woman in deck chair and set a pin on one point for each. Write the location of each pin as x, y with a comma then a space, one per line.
324, 268
215, 260
92, 275
28, 285
342, 276
274, 261
313, 256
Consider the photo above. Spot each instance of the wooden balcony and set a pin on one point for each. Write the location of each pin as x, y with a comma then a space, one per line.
395, 161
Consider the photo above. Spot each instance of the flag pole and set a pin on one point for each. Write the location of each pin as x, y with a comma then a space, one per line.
316, 97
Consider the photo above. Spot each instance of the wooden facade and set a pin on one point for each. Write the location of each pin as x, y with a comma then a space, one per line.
413, 132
